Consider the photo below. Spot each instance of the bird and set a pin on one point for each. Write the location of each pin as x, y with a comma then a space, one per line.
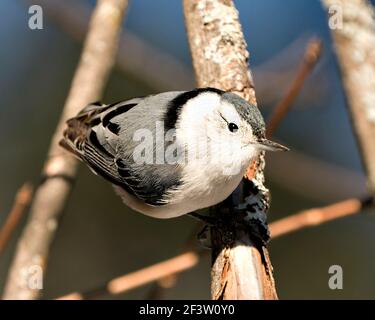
171, 153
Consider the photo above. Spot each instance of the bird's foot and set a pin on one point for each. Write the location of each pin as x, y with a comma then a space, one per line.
203, 236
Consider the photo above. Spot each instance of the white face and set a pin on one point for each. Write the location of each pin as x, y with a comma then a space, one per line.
213, 128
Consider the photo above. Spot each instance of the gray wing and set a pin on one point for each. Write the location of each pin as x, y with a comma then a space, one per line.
102, 137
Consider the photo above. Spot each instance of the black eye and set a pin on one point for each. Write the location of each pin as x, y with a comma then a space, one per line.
232, 127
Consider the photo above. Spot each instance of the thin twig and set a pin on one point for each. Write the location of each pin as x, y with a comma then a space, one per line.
60, 167
310, 58
316, 216
141, 277
21, 202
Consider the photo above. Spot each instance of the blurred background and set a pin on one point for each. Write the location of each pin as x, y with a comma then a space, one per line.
94, 244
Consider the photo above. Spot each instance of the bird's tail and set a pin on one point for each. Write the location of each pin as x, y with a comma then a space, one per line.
77, 127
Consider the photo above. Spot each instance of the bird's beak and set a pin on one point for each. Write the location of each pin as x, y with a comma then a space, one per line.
268, 145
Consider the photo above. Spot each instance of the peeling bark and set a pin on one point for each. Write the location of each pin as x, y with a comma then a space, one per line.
240, 265
354, 39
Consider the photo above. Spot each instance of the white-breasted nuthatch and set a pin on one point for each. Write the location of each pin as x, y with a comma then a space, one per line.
111, 140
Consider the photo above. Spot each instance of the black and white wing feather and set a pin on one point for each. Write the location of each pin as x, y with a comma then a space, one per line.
101, 136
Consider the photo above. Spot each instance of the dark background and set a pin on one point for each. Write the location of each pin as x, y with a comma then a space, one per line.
99, 238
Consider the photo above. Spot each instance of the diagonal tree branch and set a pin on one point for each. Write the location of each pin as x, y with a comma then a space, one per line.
60, 168
21, 202
180, 263
240, 266
353, 29
316, 216
311, 57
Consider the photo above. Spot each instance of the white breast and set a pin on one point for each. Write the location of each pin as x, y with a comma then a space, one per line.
202, 187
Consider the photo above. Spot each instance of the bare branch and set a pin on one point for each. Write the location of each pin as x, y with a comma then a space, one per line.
311, 57
60, 167
217, 46
354, 40
240, 269
141, 277
158, 290
316, 216
21, 202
